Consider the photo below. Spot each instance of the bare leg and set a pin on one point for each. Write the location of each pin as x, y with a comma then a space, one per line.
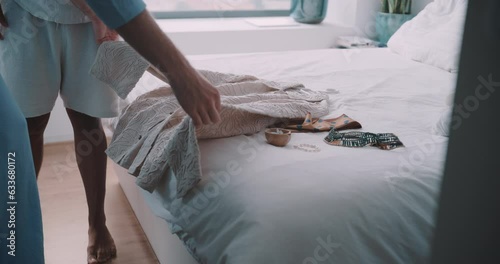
36, 127
90, 144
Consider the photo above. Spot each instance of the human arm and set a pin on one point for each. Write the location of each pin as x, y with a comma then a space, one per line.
197, 96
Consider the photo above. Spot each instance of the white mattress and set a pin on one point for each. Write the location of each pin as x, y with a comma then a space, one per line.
278, 203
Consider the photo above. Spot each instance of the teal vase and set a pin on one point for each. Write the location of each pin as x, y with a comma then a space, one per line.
387, 24
309, 11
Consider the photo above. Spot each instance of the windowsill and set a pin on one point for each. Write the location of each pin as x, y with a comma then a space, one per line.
237, 35
232, 24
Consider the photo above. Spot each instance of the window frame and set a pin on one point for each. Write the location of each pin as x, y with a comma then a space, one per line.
219, 14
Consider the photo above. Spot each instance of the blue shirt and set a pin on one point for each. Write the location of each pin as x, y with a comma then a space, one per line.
116, 13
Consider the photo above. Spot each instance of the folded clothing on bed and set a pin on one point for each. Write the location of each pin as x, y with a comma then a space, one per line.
154, 134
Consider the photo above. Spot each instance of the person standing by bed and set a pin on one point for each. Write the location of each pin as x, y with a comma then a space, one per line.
47, 49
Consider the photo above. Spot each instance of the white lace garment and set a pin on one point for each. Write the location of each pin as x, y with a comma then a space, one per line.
154, 134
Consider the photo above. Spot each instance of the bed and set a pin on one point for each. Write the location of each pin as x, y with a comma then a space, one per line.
262, 204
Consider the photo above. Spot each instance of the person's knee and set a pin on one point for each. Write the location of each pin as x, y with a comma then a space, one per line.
87, 128
37, 125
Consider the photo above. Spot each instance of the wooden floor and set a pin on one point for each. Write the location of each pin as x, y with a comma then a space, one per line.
64, 212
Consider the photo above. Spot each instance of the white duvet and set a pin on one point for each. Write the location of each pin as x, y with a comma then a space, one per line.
261, 204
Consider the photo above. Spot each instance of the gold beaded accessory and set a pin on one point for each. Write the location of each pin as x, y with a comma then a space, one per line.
307, 148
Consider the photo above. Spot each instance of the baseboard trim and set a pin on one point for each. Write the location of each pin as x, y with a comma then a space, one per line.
58, 139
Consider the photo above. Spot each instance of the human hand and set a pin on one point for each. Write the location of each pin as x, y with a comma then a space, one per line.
3, 22
199, 99
102, 32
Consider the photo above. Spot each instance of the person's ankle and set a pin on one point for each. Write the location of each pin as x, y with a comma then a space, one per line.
98, 224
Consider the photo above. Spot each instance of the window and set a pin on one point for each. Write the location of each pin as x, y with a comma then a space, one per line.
217, 8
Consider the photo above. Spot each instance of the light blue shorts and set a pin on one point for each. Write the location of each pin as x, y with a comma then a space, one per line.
41, 59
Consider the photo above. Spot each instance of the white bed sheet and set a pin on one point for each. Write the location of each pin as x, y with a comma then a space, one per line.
279, 205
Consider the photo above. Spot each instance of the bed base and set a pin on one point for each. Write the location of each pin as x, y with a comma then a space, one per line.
168, 248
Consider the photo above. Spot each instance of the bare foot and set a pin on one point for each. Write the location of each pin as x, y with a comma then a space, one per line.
101, 246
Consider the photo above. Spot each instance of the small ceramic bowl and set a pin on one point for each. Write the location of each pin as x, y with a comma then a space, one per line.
275, 138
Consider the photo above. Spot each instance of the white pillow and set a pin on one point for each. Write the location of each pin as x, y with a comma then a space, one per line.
434, 36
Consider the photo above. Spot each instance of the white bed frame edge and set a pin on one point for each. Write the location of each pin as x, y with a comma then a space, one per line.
168, 248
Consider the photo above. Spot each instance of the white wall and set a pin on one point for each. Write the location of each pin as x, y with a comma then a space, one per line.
418, 5
345, 17
59, 128
237, 35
